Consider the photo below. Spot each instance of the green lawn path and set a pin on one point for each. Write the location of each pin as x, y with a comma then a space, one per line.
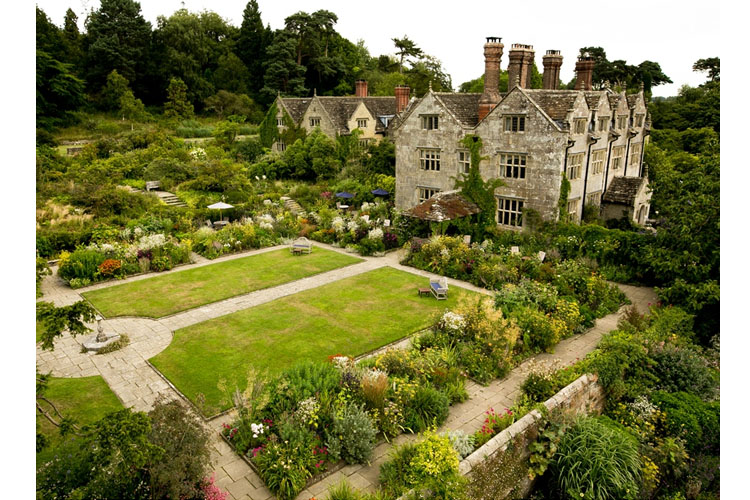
179, 291
85, 399
351, 316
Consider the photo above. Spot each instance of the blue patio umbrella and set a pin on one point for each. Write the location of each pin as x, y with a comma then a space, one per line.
380, 192
344, 194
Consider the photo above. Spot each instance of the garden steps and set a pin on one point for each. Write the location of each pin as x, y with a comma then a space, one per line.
293, 207
170, 199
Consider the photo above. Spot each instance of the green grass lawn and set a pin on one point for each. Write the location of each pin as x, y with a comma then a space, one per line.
171, 293
351, 317
85, 399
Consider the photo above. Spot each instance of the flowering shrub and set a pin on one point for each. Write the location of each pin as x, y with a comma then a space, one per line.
213, 492
429, 464
352, 436
109, 267
493, 424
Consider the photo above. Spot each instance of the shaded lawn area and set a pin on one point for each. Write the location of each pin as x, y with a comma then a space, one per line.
171, 293
351, 316
85, 399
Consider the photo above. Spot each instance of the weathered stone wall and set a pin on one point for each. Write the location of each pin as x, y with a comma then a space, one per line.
510, 447
315, 110
542, 142
411, 138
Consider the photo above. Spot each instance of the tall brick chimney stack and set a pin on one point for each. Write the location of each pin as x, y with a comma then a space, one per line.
519, 68
402, 97
552, 61
360, 88
493, 51
584, 72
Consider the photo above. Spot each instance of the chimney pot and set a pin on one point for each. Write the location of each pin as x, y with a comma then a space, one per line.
521, 58
552, 62
493, 51
402, 97
360, 87
584, 72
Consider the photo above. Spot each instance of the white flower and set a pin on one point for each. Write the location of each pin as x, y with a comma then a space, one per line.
266, 225
375, 234
264, 177
151, 241
256, 429
453, 321
338, 225
352, 225
445, 253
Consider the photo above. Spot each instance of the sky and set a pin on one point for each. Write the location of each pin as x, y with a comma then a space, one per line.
673, 34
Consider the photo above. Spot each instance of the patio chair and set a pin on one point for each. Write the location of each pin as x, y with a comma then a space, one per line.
341, 207
301, 245
439, 287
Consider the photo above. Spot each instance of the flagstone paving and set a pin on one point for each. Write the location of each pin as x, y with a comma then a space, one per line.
137, 384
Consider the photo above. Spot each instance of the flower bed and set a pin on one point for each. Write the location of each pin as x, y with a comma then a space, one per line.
524, 281
363, 231
136, 253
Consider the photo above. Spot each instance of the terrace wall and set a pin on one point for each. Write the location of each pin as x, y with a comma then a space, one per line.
509, 448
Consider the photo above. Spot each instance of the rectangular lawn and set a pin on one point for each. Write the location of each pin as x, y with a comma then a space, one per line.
171, 293
85, 399
351, 316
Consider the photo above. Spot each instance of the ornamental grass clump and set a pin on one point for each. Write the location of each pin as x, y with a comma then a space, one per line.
596, 461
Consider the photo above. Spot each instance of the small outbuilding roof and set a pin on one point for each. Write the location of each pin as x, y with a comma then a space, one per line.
623, 190
446, 205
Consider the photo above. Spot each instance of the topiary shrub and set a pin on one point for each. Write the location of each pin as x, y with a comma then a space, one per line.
679, 369
690, 418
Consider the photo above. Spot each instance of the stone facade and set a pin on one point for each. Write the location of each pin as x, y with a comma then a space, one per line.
336, 116
530, 138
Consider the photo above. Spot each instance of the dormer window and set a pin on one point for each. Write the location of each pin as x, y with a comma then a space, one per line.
515, 123
361, 122
315, 121
579, 125
429, 122
279, 121
639, 120
622, 121
603, 123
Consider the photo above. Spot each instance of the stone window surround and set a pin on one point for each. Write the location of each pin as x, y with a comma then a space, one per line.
361, 122
572, 207
464, 164
604, 122
579, 125
635, 153
594, 198
618, 153
622, 121
514, 122
429, 121
513, 162
315, 121
597, 161
279, 121
429, 159
424, 191
509, 211
639, 118
574, 167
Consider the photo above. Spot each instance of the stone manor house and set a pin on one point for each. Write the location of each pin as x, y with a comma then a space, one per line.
530, 138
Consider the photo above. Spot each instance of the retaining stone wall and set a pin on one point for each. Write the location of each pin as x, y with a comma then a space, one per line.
583, 396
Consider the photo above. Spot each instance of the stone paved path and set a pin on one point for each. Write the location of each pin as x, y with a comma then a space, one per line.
138, 385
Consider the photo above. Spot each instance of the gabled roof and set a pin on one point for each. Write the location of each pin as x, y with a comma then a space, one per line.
446, 205
296, 106
555, 103
623, 190
593, 97
614, 100
463, 106
632, 100
340, 109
